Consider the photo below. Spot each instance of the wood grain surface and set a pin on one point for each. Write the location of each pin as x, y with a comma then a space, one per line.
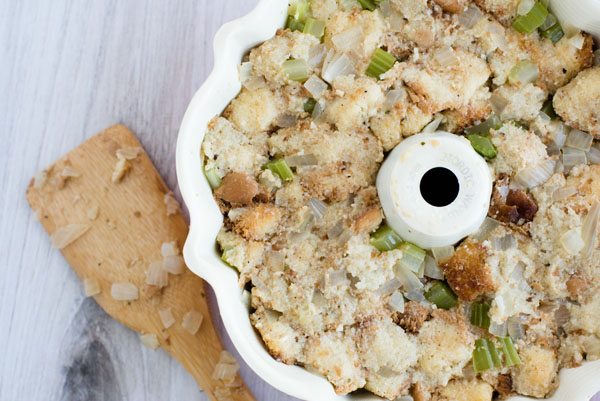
68, 69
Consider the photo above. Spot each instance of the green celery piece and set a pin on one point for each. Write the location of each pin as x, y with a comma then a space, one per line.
480, 315
482, 359
299, 10
483, 146
281, 168
511, 356
380, 63
296, 69
309, 105
293, 24
532, 20
213, 178
483, 129
412, 256
554, 33
494, 354
314, 27
367, 4
385, 239
441, 295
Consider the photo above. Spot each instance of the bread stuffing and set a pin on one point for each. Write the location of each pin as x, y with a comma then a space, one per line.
293, 163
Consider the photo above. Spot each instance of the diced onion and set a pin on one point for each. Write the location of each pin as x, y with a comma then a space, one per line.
432, 270
318, 207
559, 134
392, 97
561, 315
408, 279
524, 72
272, 315
445, 56
318, 299
579, 140
389, 287
287, 120
245, 71
470, 16
166, 317
504, 243
563, 193
545, 118
317, 111
593, 155
315, 86
533, 176
275, 260
249, 81
573, 157
572, 241
316, 55
559, 168
91, 286
499, 103
443, 253
337, 277
396, 302
590, 229
385, 8
157, 275
124, 291
348, 40
336, 230
416, 295
498, 330
517, 275
348, 5
225, 371
339, 65
174, 264
549, 22
344, 237
433, 126
485, 229
577, 41
169, 249
301, 160
386, 372
515, 328
192, 321
254, 83
525, 6
150, 341
68, 234
396, 22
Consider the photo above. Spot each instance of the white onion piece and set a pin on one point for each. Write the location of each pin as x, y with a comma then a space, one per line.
559, 135
389, 287
572, 241
499, 103
318, 207
150, 341
225, 371
498, 34
339, 65
408, 279
470, 16
579, 140
433, 126
272, 315
396, 22
245, 71
191, 321
396, 302
275, 260
68, 234
317, 111
301, 160
249, 81
498, 330
318, 299
593, 155
348, 40
174, 264
91, 286
338, 277
545, 118
590, 229
485, 229
166, 317
316, 55
504, 243
525, 6
443, 253
561, 315
416, 295
315, 86
392, 97
445, 56
517, 275
169, 249
348, 5
431, 268
577, 41
385, 8
246, 298
157, 275
515, 328
468, 372
573, 157
258, 283
287, 120
531, 177
336, 230
563, 193
255, 83
344, 237
124, 291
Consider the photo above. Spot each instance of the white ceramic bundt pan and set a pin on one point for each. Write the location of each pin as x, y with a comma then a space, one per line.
231, 42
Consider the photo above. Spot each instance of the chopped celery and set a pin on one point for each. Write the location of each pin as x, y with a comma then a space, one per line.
482, 359
524, 72
293, 24
367, 4
483, 146
281, 168
309, 105
479, 315
532, 20
441, 295
511, 357
314, 27
548, 108
213, 178
299, 10
381, 62
554, 33
385, 239
494, 354
483, 129
412, 256
296, 69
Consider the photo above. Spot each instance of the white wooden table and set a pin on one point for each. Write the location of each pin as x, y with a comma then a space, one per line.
68, 69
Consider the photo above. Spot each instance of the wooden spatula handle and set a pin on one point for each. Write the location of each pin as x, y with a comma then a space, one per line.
123, 240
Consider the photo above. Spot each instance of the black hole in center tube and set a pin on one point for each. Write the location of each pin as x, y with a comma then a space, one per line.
439, 187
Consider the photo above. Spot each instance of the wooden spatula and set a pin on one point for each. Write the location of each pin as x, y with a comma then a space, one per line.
120, 212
